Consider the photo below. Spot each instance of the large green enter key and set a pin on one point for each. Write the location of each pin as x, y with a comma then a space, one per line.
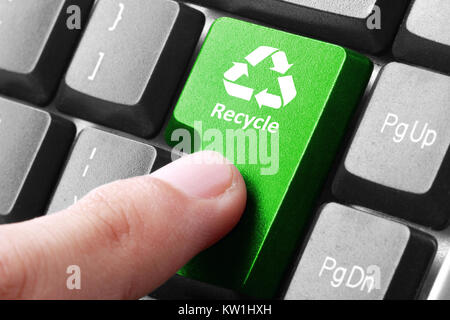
276, 105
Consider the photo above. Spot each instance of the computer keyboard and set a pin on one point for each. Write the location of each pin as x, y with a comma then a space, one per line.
354, 204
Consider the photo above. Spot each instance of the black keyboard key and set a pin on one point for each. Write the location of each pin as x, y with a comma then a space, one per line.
398, 162
36, 45
100, 157
129, 63
368, 25
424, 38
33, 146
353, 255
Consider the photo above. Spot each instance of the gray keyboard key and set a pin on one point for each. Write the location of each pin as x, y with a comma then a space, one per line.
100, 157
398, 162
368, 25
129, 62
33, 146
424, 38
352, 255
36, 45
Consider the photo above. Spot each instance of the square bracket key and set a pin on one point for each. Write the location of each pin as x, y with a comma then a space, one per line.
129, 63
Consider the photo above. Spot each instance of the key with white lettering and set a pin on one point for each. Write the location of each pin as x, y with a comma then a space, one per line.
129, 63
398, 162
100, 157
37, 39
353, 255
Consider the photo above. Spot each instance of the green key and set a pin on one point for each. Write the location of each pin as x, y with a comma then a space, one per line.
277, 105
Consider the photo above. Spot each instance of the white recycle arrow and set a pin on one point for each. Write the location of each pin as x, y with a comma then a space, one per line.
259, 55
280, 62
288, 91
267, 99
263, 98
238, 91
237, 71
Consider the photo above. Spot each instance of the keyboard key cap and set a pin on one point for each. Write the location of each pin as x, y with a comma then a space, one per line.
297, 99
398, 161
129, 63
352, 255
33, 146
36, 45
441, 285
98, 158
424, 38
368, 25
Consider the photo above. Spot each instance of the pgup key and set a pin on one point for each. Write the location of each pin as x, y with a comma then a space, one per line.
129, 63
398, 162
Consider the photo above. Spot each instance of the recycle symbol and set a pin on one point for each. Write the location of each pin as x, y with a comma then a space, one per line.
263, 98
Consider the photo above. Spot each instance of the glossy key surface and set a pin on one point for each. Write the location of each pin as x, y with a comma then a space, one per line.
290, 98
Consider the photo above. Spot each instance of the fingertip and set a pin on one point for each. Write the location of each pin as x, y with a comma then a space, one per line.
143, 229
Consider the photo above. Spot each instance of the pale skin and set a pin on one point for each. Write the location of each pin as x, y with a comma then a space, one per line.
127, 237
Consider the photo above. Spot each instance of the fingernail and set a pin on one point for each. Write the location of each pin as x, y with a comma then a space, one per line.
203, 174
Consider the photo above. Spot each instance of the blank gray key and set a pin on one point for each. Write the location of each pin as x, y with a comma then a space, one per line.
36, 45
129, 63
424, 38
398, 162
33, 146
98, 158
352, 255
368, 25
